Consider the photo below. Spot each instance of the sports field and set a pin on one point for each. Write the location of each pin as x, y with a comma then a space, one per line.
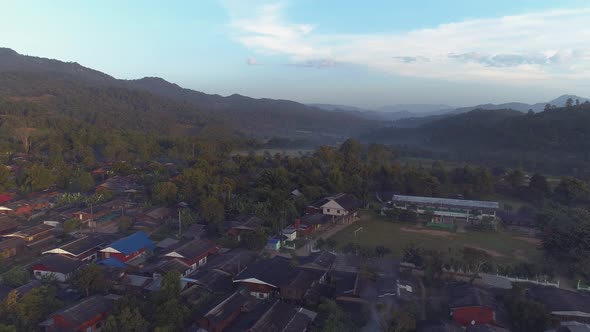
504, 246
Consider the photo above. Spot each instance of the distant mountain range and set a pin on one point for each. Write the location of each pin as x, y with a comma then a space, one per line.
414, 115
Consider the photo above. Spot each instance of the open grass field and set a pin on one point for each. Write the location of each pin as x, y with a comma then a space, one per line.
505, 247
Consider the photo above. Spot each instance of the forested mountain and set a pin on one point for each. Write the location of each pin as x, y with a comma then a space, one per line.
34, 77
556, 140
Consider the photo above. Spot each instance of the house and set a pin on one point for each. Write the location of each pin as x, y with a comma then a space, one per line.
232, 262
278, 277
564, 305
471, 305
264, 278
242, 224
128, 248
447, 209
310, 223
193, 253
341, 207
7, 225
11, 247
119, 185
87, 315
163, 266
289, 233
282, 317
153, 218
220, 317
34, 235
60, 267
92, 213
84, 249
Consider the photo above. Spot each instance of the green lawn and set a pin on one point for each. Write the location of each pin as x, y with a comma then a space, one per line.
507, 247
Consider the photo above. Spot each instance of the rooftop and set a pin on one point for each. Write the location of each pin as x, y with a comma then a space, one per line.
276, 271
32, 231
282, 317
78, 246
131, 244
85, 310
446, 201
556, 299
193, 249
60, 264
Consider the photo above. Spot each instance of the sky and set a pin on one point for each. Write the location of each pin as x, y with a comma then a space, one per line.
363, 53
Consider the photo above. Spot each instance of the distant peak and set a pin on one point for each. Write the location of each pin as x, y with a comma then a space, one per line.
7, 51
153, 78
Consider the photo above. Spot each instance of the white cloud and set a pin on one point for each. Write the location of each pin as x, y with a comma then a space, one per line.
540, 46
251, 62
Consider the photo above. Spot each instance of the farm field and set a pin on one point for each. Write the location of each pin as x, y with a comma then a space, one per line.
505, 246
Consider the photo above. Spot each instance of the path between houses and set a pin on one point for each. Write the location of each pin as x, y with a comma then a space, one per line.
325, 234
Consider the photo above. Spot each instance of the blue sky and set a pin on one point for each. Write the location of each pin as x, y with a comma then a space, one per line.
364, 53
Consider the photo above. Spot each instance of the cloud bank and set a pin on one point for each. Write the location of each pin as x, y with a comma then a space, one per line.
539, 46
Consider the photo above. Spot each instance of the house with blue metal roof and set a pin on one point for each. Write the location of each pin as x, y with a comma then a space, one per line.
128, 248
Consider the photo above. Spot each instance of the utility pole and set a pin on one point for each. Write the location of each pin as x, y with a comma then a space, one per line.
179, 225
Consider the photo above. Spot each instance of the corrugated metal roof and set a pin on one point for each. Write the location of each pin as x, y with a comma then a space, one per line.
132, 243
446, 201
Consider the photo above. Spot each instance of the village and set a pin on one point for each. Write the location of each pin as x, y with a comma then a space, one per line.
285, 284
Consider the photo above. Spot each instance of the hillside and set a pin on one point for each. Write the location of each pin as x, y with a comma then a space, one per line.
247, 116
556, 140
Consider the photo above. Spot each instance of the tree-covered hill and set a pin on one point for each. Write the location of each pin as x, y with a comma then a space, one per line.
166, 104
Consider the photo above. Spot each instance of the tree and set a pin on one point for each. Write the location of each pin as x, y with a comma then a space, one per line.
527, 315
337, 320
16, 277
124, 224
6, 181
515, 178
402, 319
254, 240
539, 183
165, 193
171, 315
91, 280
36, 178
170, 287
569, 103
131, 321
72, 225
572, 191
212, 211
475, 260
36, 305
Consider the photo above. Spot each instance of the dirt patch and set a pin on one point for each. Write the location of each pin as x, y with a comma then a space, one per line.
490, 252
531, 240
427, 232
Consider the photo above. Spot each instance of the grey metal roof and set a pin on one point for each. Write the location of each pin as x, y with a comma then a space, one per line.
446, 201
